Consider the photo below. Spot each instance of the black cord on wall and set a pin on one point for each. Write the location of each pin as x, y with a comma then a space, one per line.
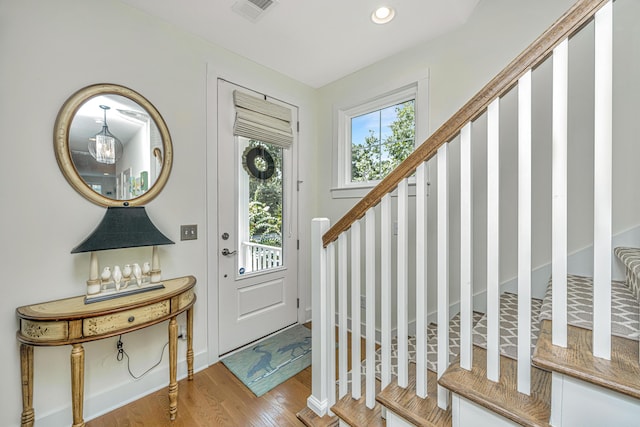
121, 354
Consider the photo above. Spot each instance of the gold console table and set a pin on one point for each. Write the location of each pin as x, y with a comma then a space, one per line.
72, 322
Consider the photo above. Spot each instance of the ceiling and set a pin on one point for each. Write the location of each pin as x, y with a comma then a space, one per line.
314, 42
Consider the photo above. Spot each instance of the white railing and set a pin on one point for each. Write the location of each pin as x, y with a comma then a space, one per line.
334, 254
258, 257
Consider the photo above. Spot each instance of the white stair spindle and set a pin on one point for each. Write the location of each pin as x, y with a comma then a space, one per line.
385, 290
318, 401
466, 242
356, 371
343, 316
421, 281
403, 283
524, 233
370, 283
443, 269
559, 193
493, 241
331, 272
603, 182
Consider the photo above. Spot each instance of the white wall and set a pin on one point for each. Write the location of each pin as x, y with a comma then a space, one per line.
50, 50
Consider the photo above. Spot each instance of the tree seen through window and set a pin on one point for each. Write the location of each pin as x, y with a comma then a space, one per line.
381, 140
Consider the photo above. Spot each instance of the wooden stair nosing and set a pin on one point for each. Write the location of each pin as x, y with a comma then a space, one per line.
311, 419
355, 412
405, 403
502, 397
620, 374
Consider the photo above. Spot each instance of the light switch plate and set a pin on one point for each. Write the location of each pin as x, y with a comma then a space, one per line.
189, 232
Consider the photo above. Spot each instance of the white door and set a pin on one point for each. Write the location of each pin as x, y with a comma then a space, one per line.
257, 230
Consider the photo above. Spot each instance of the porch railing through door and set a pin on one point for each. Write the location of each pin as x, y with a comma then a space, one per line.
261, 257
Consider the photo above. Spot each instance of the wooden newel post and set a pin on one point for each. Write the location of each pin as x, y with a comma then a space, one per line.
320, 322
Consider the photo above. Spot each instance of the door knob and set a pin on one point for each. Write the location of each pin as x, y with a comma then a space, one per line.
227, 252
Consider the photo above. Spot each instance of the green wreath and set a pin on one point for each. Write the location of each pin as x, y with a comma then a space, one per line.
258, 163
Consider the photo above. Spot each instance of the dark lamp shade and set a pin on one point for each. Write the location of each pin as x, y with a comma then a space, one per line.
123, 227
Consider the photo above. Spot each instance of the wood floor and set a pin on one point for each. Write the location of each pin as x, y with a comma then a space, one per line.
216, 397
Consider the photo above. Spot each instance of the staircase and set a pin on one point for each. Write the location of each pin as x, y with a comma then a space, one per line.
570, 358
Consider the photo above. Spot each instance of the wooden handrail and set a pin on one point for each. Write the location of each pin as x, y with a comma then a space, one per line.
569, 23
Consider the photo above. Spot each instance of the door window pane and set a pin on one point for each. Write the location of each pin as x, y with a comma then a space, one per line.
261, 204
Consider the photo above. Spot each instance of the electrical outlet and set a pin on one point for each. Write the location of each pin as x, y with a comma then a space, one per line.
182, 332
363, 301
188, 232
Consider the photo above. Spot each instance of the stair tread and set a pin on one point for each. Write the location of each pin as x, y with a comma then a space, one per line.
509, 326
502, 397
624, 306
418, 411
310, 419
621, 373
355, 412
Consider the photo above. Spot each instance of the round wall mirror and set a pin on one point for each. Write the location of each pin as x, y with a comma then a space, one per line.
113, 146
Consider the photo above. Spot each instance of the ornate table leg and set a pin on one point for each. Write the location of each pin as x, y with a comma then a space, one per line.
190, 344
26, 369
173, 368
77, 384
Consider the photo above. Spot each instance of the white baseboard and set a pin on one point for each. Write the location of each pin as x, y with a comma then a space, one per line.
118, 396
319, 407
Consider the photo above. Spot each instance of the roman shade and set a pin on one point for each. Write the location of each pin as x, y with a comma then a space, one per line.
261, 120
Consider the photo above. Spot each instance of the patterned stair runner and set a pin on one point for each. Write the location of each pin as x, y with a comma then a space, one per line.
509, 326
624, 306
630, 257
432, 346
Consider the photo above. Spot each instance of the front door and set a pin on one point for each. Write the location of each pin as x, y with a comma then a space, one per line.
257, 224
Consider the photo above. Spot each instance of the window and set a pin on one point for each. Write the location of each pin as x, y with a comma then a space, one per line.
375, 136
381, 140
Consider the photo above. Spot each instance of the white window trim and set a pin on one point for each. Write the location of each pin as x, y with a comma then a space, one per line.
417, 89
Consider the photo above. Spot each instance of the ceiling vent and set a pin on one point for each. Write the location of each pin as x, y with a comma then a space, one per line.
253, 10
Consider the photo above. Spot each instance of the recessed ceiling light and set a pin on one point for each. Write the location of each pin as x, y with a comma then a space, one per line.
382, 15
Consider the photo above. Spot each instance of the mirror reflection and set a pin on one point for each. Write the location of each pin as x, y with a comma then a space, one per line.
116, 146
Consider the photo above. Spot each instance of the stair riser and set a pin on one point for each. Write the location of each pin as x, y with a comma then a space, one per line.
466, 414
577, 403
394, 420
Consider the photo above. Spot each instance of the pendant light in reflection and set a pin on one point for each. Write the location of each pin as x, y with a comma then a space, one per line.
105, 147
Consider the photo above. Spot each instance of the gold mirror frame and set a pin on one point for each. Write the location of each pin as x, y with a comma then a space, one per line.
63, 153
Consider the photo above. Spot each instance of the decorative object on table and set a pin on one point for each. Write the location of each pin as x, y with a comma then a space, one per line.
146, 269
265, 364
122, 227
117, 277
105, 276
126, 275
137, 273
